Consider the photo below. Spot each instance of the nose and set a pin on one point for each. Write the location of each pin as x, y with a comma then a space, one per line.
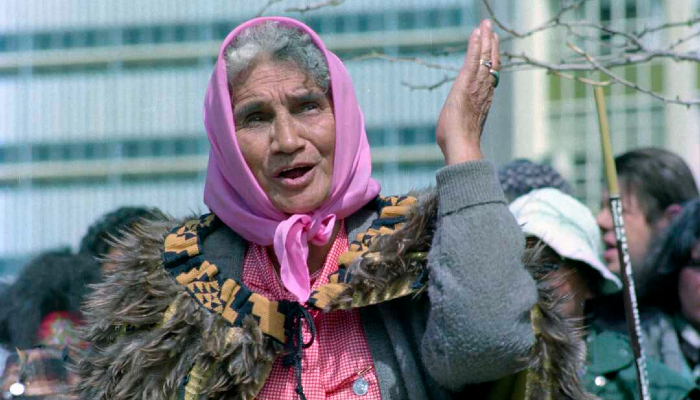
287, 134
604, 219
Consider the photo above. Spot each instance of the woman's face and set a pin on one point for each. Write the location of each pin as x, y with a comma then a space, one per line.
689, 288
573, 287
285, 129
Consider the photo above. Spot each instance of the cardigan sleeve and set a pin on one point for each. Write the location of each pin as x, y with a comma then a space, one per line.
478, 326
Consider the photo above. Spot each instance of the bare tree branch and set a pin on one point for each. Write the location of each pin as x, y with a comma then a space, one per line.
267, 5
616, 78
413, 60
621, 48
429, 87
546, 25
668, 25
316, 6
685, 39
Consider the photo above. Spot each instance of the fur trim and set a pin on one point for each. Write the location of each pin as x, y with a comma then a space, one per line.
137, 352
559, 352
395, 264
163, 342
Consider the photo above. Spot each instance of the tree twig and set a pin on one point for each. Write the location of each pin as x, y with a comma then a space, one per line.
316, 6
616, 78
413, 60
544, 26
429, 87
267, 5
668, 25
684, 39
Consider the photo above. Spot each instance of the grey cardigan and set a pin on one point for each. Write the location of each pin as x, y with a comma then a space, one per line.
474, 325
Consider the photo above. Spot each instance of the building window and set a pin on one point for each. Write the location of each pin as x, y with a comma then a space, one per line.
165, 33
130, 149
407, 20
186, 33
376, 137
407, 136
9, 155
377, 22
42, 41
131, 36
158, 34
40, 152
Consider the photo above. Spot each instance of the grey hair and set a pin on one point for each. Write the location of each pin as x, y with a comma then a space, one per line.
280, 43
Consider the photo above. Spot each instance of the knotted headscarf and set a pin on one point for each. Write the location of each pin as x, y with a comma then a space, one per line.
233, 194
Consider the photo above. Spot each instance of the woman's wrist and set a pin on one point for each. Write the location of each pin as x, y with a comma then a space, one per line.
460, 151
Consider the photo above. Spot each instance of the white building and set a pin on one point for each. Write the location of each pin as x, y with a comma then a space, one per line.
101, 102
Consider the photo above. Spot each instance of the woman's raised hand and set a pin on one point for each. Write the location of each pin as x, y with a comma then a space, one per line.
464, 113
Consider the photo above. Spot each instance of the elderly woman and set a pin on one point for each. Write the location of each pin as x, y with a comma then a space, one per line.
303, 282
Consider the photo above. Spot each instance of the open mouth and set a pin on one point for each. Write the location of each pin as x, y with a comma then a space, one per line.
294, 173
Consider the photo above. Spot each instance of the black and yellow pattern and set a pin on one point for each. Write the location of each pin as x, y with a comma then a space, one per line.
392, 215
184, 259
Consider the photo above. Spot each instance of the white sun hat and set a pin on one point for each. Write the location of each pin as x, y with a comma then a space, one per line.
567, 226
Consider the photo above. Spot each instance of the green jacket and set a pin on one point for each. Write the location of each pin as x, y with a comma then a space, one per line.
611, 374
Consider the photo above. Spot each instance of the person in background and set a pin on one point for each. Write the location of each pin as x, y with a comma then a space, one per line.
45, 298
653, 185
521, 176
562, 253
100, 237
675, 260
40, 316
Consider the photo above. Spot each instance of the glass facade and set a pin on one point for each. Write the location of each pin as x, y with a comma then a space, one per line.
103, 110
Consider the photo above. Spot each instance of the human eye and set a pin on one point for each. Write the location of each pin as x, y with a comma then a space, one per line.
310, 106
254, 118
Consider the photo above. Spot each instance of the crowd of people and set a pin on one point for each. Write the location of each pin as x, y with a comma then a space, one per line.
304, 282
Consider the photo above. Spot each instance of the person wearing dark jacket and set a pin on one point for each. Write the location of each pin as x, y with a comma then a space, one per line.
654, 183
675, 260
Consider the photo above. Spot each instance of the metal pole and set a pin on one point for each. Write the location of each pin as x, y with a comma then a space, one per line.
629, 294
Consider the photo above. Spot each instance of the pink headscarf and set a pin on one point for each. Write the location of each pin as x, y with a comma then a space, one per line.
233, 193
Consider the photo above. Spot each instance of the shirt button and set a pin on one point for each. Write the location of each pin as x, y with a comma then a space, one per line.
360, 387
600, 381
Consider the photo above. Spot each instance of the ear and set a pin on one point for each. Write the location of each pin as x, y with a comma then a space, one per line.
670, 213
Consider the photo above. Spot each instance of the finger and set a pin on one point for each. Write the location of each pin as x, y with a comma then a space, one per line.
486, 46
471, 60
495, 55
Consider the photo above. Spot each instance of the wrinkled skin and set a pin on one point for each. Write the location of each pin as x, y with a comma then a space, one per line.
285, 127
285, 121
464, 113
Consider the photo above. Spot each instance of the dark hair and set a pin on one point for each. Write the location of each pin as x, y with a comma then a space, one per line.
672, 252
52, 281
521, 176
657, 178
542, 260
110, 226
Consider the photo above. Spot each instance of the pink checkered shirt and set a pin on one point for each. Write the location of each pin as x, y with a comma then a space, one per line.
340, 351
